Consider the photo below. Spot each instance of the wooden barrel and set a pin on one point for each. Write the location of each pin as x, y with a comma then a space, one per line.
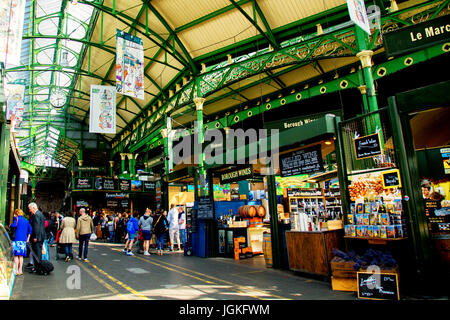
247, 211
267, 249
261, 211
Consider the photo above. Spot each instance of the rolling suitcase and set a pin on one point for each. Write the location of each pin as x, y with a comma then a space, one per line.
42, 266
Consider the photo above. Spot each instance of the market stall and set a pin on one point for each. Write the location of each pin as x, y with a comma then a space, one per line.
7, 269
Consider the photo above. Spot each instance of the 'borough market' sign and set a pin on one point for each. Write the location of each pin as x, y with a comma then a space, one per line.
417, 36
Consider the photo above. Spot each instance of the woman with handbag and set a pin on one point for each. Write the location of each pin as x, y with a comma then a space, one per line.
68, 234
21, 232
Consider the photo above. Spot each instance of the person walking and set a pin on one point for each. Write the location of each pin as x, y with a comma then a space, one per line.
104, 226
146, 224
21, 238
37, 222
119, 228
68, 234
132, 229
160, 227
111, 227
55, 224
48, 236
174, 231
85, 227
182, 225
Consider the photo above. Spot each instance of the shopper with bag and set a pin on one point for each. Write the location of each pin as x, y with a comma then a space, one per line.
85, 227
21, 235
68, 234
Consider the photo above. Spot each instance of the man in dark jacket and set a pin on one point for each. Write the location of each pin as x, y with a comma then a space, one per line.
38, 234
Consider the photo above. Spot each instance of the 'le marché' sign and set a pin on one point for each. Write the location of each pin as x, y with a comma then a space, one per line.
417, 36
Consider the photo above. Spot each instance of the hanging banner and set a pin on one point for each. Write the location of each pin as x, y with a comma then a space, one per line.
15, 94
129, 65
102, 113
12, 13
358, 14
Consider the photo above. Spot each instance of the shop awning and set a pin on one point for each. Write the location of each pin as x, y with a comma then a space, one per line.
320, 127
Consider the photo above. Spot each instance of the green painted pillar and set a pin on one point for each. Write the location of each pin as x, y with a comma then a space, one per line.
201, 168
409, 174
122, 163
111, 165
80, 161
131, 164
272, 197
365, 56
4, 168
33, 188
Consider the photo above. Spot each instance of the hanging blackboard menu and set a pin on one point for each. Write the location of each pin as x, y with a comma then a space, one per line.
304, 161
367, 146
83, 183
391, 179
205, 208
124, 185
378, 286
109, 184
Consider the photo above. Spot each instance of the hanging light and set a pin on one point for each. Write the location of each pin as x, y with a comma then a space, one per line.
53, 112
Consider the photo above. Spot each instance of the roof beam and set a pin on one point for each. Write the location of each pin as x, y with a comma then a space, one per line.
266, 35
173, 34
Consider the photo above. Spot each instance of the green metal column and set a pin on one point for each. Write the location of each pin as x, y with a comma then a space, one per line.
365, 56
80, 160
111, 165
407, 162
122, 163
272, 196
201, 168
4, 168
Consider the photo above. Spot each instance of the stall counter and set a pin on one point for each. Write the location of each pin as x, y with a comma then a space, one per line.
311, 252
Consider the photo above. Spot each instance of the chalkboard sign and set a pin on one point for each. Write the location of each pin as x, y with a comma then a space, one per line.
391, 179
378, 286
205, 208
304, 161
367, 146
83, 183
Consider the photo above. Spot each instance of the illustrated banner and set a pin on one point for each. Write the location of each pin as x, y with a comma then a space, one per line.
102, 109
12, 13
358, 14
129, 65
15, 94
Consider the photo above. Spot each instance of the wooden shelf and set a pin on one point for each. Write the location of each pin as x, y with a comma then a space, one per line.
375, 240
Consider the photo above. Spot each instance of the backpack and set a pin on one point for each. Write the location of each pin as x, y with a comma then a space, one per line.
130, 227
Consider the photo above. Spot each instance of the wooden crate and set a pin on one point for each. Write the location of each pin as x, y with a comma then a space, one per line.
344, 284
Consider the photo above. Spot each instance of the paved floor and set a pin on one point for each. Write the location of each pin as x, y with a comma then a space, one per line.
109, 274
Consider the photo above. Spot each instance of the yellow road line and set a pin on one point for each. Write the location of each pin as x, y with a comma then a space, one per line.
118, 282
238, 288
106, 285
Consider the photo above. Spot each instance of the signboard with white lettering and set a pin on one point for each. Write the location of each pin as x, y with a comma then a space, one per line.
378, 286
236, 175
391, 179
124, 185
417, 36
205, 208
83, 183
367, 146
149, 186
304, 161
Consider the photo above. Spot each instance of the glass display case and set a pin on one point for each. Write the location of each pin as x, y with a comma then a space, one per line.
7, 271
